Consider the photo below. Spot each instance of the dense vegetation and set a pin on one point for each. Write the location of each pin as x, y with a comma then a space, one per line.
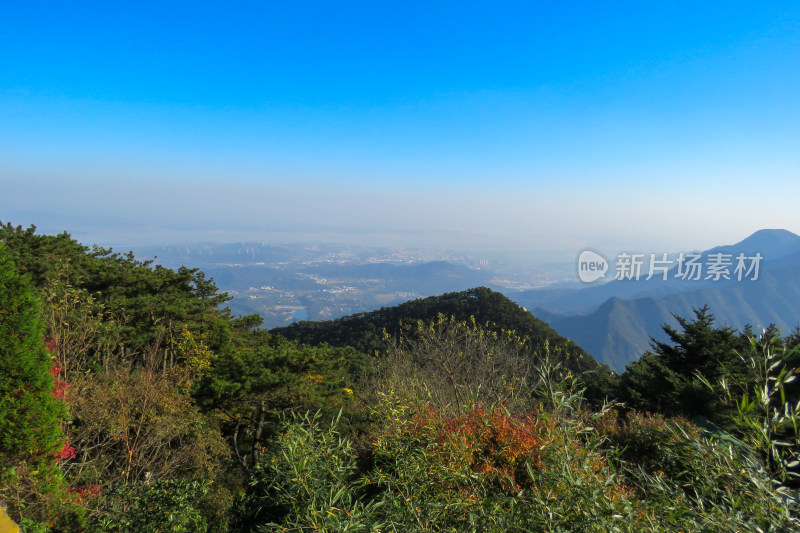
492, 310
131, 400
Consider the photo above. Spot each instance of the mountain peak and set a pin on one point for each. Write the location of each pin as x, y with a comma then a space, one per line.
773, 237
770, 243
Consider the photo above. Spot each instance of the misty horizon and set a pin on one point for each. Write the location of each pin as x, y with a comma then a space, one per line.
519, 128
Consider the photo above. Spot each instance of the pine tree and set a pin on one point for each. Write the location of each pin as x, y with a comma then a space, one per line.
668, 379
30, 434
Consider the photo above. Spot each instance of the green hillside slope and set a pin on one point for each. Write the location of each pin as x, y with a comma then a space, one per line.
364, 331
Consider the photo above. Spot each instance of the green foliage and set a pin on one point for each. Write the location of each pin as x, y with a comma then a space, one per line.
249, 387
649, 441
488, 470
193, 354
484, 470
83, 333
551, 467
765, 418
670, 379
453, 364
165, 506
305, 482
131, 425
479, 417
30, 417
366, 331
148, 304
719, 488
131, 337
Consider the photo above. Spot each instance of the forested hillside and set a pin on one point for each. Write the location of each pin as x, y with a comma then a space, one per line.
166, 400
131, 400
488, 308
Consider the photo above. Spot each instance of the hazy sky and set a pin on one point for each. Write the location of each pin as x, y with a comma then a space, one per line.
543, 126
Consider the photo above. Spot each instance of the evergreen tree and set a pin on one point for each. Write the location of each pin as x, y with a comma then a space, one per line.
29, 415
30, 435
667, 381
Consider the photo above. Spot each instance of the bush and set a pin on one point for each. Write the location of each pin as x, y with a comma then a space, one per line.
424, 470
166, 506
650, 441
691, 481
431, 470
306, 482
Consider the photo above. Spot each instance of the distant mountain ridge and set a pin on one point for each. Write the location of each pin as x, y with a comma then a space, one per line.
774, 245
618, 331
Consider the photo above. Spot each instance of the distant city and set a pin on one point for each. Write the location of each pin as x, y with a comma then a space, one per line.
286, 283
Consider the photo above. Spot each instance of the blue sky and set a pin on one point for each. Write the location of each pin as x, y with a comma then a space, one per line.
543, 126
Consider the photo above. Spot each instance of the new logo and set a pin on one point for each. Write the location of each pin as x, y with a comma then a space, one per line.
591, 266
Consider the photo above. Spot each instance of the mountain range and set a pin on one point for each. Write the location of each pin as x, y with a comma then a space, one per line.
615, 321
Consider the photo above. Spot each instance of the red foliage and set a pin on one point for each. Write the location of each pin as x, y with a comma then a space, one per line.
67, 452
492, 442
60, 386
85, 492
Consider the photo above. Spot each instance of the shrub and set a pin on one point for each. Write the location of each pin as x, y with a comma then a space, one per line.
690, 481
650, 441
306, 482
454, 364
165, 506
